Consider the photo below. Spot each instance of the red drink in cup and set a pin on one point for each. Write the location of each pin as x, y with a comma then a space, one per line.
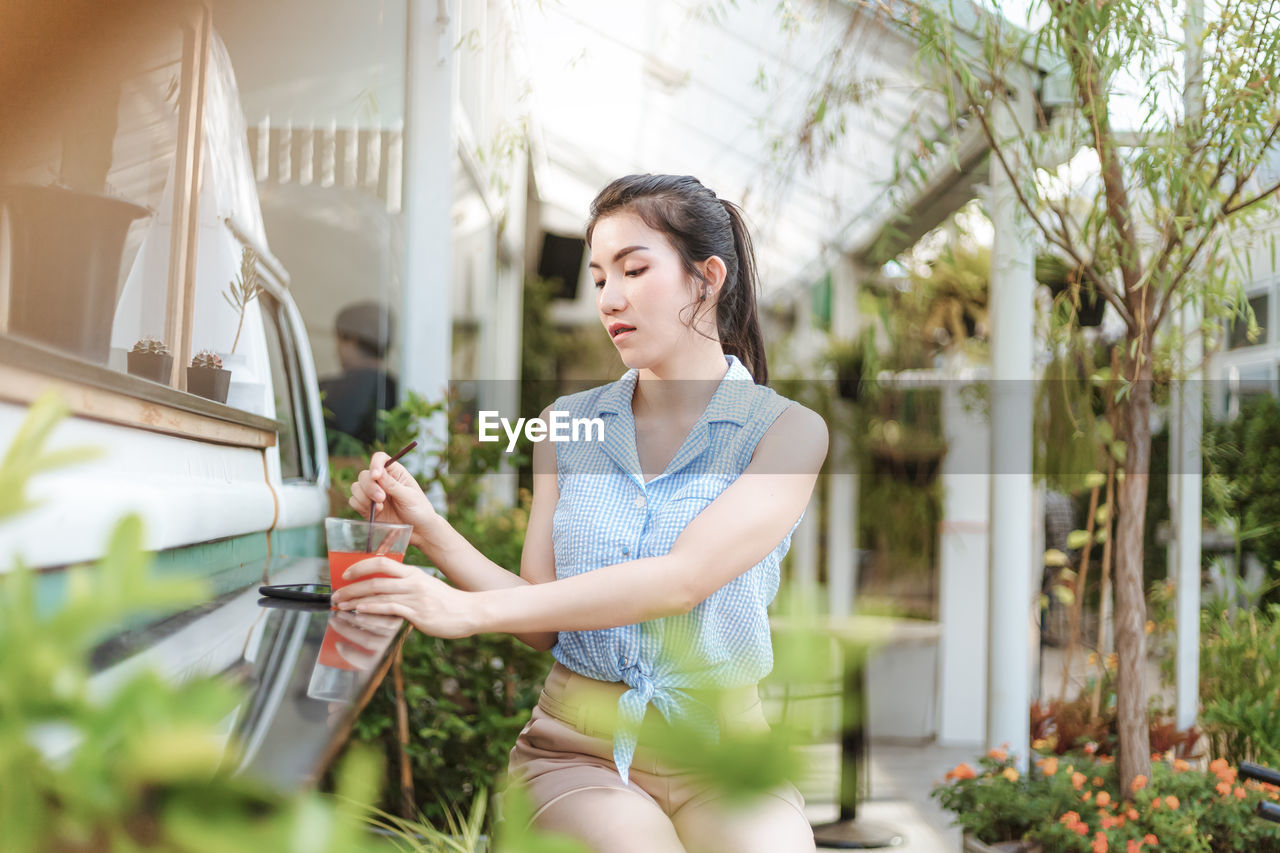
351, 541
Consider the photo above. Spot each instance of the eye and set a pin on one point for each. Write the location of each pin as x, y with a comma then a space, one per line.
600, 284
636, 272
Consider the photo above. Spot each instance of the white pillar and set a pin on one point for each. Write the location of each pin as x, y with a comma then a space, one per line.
428, 191
803, 555
1012, 561
842, 482
963, 553
1186, 459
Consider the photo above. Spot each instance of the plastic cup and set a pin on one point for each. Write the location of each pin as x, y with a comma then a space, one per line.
350, 541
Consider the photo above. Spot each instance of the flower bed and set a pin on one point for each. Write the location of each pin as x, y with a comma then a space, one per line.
1073, 805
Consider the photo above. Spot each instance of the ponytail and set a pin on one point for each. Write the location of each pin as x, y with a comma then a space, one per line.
699, 225
737, 318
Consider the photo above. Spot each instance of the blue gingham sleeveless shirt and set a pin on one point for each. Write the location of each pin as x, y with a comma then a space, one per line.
608, 514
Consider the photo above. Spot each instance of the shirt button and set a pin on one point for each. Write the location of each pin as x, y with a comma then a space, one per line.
639, 500
625, 550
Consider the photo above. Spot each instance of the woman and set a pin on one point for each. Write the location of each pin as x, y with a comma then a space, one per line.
652, 553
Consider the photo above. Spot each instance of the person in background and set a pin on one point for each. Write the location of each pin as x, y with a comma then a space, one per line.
353, 398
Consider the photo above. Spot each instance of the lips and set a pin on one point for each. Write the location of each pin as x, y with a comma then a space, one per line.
617, 330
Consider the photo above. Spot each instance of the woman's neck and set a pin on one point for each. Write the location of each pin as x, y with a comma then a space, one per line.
681, 389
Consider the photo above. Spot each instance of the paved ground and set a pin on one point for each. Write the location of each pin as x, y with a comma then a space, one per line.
901, 777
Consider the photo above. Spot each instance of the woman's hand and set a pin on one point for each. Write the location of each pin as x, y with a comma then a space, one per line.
434, 607
398, 496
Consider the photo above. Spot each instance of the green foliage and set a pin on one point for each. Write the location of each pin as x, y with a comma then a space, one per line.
137, 766
418, 835
1240, 683
1066, 805
1242, 479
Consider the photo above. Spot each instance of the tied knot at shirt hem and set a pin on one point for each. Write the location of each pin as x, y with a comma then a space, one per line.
676, 706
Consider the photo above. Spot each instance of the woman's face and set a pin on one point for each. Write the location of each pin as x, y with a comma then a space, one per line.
644, 296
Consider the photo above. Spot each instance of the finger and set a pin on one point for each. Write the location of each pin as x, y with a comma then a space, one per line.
378, 565
378, 463
359, 499
385, 607
372, 490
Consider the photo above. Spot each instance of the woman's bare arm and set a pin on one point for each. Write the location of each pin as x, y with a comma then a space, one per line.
737, 530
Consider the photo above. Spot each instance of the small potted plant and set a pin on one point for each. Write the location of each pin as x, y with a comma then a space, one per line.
151, 359
207, 377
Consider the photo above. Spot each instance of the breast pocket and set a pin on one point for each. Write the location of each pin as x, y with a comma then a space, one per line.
682, 508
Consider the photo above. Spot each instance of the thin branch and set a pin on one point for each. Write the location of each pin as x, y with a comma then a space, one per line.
1090, 270
1226, 209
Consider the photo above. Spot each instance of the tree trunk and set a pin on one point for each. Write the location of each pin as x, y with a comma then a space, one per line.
1131, 608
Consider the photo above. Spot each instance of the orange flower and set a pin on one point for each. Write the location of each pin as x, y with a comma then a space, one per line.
1097, 781
1172, 802
1077, 780
1132, 813
1010, 774
1150, 839
1139, 782
997, 754
1080, 828
1223, 788
1180, 766
1049, 766
1155, 804
1099, 843
1069, 818
1103, 798
1133, 846
1239, 792
1088, 795
961, 771
1218, 765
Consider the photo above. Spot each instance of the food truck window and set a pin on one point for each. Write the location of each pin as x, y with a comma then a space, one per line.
288, 439
94, 193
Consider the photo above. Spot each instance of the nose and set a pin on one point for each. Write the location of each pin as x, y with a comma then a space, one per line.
610, 297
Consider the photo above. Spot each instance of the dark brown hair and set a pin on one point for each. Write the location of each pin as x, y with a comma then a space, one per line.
699, 225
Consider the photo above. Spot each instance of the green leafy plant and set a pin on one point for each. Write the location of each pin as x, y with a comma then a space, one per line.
1240, 683
138, 766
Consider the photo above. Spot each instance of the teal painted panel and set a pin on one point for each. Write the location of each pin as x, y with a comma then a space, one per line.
226, 565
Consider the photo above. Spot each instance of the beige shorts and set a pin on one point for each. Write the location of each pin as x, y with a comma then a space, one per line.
567, 746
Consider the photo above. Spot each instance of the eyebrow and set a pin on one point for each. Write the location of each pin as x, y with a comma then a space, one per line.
622, 253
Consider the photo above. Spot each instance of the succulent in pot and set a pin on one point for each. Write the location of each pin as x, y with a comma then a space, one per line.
150, 358
207, 377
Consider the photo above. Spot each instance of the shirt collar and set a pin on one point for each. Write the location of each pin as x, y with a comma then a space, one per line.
731, 401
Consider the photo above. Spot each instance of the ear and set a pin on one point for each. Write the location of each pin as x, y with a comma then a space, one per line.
714, 272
